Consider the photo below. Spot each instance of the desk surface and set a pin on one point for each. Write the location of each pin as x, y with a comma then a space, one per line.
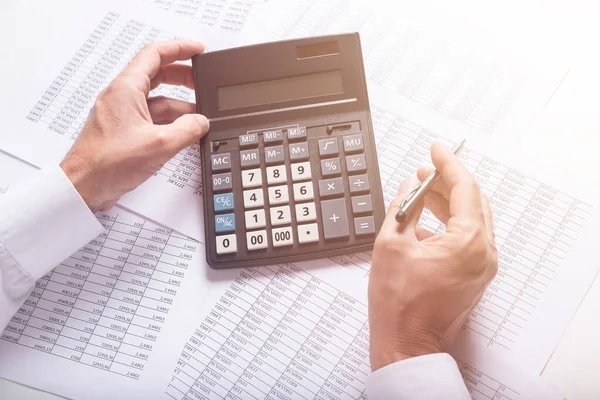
568, 121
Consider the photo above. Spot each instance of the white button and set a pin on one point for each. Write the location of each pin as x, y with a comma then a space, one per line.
303, 191
276, 174
279, 195
306, 212
308, 233
255, 219
254, 198
281, 215
226, 244
301, 171
251, 178
283, 237
256, 240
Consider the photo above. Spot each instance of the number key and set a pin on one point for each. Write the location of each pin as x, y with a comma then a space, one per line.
256, 240
306, 212
251, 178
279, 195
276, 174
281, 215
303, 191
301, 171
255, 219
282, 237
253, 198
226, 244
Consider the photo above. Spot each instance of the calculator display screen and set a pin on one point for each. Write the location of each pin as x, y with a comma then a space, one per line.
280, 90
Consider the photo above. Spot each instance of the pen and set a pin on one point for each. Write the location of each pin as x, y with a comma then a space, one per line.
421, 190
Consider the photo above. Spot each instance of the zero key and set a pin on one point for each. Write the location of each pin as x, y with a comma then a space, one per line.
334, 218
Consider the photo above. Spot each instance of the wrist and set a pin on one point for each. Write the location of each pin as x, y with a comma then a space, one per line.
80, 175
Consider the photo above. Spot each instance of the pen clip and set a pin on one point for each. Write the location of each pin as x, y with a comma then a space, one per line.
409, 196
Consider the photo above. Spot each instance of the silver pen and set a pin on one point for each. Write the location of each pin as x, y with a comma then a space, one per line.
421, 190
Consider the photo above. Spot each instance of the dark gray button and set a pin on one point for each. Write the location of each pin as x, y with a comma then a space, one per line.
359, 183
249, 140
274, 154
331, 187
364, 226
297, 133
331, 167
250, 158
271, 137
353, 143
299, 151
361, 204
356, 163
328, 147
221, 182
334, 218
221, 162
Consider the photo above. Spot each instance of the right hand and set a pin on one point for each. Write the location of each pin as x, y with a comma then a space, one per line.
423, 286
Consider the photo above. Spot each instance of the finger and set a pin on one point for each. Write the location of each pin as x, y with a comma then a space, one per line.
423, 233
465, 198
173, 74
438, 205
164, 110
146, 64
185, 131
390, 225
488, 218
439, 187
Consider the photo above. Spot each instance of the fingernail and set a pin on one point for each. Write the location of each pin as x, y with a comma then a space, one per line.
203, 121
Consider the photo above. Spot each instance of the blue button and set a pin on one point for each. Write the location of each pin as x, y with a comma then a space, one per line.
225, 223
223, 202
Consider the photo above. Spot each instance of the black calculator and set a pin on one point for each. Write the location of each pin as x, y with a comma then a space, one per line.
289, 166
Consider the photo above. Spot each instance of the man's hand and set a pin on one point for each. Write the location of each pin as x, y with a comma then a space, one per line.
128, 136
423, 286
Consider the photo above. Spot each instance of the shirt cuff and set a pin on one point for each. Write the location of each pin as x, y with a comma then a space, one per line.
44, 220
434, 376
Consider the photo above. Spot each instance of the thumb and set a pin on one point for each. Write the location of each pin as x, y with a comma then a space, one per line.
409, 226
186, 130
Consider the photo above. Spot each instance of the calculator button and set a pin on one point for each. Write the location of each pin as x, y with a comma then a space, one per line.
221, 162
224, 223
273, 136
328, 147
296, 133
282, 237
353, 143
274, 155
361, 204
251, 178
281, 215
276, 174
255, 219
303, 191
299, 151
250, 158
364, 226
359, 183
279, 195
226, 244
306, 212
256, 240
356, 163
308, 233
331, 187
223, 202
254, 198
331, 167
301, 171
222, 182
334, 218
249, 140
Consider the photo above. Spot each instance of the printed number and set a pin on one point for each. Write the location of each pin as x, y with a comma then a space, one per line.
251, 176
300, 170
303, 190
253, 197
276, 173
278, 193
255, 217
280, 214
281, 236
256, 240
225, 243
218, 181
306, 212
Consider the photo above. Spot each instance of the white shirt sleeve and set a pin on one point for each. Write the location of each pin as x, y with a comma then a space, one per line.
42, 222
430, 377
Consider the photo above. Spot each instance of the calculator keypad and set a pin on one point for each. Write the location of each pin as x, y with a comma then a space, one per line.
279, 178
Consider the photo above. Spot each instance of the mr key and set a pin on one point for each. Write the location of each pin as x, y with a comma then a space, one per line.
289, 165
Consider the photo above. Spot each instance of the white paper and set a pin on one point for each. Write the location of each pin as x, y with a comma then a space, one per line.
106, 323
299, 332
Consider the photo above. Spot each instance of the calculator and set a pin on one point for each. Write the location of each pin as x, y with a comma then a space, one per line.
289, 166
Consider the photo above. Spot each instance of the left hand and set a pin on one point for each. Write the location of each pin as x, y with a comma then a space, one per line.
128, 136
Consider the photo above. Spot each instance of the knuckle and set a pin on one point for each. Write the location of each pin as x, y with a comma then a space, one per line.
160, 141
